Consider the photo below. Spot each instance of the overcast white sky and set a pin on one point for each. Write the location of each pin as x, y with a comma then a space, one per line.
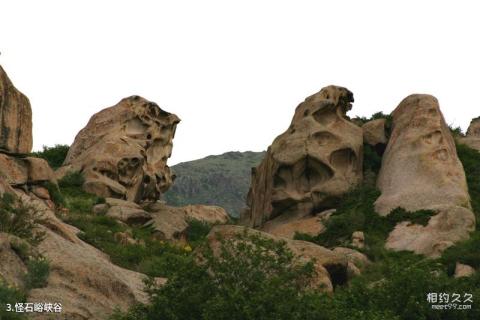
234, 71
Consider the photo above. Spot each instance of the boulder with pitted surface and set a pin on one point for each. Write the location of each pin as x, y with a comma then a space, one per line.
421, 171
309, 166
123, 151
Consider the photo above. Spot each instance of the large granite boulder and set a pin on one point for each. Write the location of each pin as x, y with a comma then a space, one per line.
421, 170
171, 223
123, 151
310, 165
374, 132
15, 118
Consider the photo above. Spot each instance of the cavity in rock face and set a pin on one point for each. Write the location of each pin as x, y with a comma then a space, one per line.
123, 151
15, 118
315, 161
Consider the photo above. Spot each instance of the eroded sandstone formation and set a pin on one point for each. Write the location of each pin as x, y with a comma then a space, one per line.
421, 170
81, 277
420, 167
315, 161
123, 151
15, 118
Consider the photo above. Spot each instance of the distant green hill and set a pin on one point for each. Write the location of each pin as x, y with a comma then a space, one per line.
221, 180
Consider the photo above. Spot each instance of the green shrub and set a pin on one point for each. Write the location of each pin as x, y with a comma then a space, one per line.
197, 230
470, 159
398, 286
372, 161
72, 179
54, 155
251, 278
37, 275
9, 296
55, 194
356, 213
466, 252
20, 219
164, 265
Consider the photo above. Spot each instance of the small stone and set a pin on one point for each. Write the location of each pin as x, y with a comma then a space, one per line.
463, 270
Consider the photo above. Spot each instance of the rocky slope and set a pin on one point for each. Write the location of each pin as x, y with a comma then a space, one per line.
221, 180
81, 277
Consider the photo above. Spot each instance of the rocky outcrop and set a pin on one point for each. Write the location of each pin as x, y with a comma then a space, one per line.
287, 226
450, 224
171, 223
25, 171
420, 167
331, 266
421, 170
374, 132
82, 278
314, 162
472, 137
123, 151
15, 118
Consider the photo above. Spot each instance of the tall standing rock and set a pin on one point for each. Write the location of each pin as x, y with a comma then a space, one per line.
123, 151
15, 118
315, 161
421, 170
420, 167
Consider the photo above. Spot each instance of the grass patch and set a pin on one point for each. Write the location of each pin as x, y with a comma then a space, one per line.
73, 196
37, 275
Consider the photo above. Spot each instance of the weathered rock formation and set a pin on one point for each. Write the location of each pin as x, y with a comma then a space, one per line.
81, 277
374, 132
15, 118
421, 170
288, 225
171, 223
123, 151
332, 267
420, 167
315, 161
472, 137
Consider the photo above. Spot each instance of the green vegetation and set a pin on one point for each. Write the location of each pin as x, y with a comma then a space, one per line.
9, 296
38, 271
54, 155
72, 195
356, 212
221, 180
20, 219
378, 115
470, 159
250, 278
